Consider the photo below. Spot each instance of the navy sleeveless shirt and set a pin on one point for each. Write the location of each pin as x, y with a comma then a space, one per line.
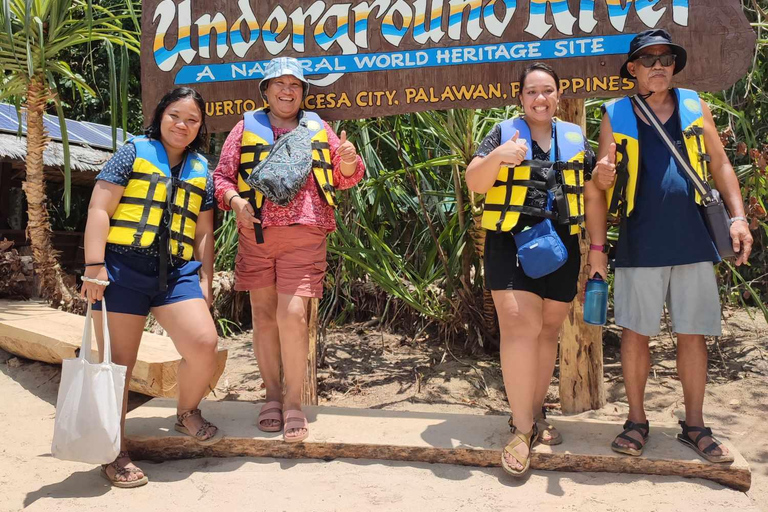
666, 227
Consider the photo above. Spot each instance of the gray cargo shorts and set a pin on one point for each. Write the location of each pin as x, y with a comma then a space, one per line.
690, 292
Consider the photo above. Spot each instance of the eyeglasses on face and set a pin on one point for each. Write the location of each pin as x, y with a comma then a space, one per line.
648, 61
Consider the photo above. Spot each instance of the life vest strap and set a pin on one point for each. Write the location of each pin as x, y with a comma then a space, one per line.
151, 177
528, 210
250, 196
322, 164
154, 178
622, 178
572, 189
255, 148
184, 213
323, 190
189, 187
538, 185
133, 225
694, 131
318, 145
557, 166
140, 201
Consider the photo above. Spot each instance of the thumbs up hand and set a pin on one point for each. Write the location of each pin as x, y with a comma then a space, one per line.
346, 150
512, 152
604, 173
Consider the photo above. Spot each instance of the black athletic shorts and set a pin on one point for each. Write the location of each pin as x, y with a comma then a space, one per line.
503, 273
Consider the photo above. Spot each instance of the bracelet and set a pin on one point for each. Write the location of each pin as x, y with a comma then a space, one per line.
734, 219
354, 161
229, 203
94, 281
100, 264
598, 248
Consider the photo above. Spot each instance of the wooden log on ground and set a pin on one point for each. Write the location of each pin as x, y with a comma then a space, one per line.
581, 344
464, 439
38, 332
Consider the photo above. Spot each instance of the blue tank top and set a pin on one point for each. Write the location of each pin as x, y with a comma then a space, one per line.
666, 227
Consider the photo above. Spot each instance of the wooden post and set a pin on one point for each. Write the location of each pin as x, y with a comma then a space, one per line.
309, 393
581, 344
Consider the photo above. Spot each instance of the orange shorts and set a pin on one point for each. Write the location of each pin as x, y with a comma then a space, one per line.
292, 258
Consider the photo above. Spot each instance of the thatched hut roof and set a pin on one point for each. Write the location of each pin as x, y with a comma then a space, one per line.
82, 158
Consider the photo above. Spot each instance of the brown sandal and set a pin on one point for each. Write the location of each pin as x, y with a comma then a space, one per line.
203, 435
548, 434
518, 439
121, 472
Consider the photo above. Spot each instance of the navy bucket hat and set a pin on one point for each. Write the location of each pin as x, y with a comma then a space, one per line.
652, 38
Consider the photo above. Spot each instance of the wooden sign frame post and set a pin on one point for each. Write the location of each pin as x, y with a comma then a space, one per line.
367, 59
581, 344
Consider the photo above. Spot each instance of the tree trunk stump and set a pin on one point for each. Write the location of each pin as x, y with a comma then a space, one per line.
581, 344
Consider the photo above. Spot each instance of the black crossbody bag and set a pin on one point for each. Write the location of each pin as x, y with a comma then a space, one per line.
716, 215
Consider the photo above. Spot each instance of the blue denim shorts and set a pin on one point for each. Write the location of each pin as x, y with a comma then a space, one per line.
134, 283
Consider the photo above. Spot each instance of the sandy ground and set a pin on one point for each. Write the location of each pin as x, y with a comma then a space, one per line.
366, 368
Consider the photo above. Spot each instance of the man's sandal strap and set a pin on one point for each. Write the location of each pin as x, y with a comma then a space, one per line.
635, 443
701, 432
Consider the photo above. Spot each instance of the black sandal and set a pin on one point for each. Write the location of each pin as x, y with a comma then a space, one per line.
694, 445
641, 428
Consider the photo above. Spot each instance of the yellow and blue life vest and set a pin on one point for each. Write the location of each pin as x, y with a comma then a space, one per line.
504, 202
621, 196
138, 217
256, 144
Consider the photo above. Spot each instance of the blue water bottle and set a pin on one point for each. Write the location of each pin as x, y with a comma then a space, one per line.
596, 301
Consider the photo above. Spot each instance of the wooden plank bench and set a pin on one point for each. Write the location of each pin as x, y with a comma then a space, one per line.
36, 331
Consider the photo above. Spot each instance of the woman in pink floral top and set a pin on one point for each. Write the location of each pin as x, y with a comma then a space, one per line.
288, 268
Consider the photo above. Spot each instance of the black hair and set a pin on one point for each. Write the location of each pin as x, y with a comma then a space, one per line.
539, 66
153, 130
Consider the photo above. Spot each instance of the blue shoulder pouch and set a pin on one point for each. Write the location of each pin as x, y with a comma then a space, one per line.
540, 251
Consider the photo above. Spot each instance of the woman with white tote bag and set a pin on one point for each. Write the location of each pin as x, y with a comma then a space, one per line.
150, 234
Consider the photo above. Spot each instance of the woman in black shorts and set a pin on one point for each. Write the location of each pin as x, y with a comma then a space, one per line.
531, 168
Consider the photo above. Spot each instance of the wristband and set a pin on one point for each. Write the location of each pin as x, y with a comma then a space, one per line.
94, 281
734, 219
599, 248
100, 264
229, 203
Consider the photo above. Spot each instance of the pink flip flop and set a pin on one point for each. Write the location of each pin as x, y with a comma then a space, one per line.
271, 411
295, 419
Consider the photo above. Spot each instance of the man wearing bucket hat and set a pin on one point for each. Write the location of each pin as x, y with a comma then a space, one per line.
650, 146
278, 170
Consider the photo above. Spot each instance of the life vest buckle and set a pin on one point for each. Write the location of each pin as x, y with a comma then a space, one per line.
694, 131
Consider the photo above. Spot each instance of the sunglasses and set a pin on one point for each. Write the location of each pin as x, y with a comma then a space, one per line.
648, 61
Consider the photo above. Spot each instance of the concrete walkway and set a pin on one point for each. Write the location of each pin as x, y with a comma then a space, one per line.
31, 478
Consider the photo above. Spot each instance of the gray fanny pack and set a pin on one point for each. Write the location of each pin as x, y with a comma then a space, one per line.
286, 168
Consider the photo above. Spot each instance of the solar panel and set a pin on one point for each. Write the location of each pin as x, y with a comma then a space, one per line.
106, 131
52, 127
9, 119
102, 132
92, 134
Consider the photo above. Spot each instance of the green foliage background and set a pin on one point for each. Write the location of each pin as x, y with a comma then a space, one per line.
405, 248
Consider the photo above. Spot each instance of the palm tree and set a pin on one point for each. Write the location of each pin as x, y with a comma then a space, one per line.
33, 37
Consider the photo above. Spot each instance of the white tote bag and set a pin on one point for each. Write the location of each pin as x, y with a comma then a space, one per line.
90, 402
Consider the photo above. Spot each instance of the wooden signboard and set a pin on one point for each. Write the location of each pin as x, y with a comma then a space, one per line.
369, 58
